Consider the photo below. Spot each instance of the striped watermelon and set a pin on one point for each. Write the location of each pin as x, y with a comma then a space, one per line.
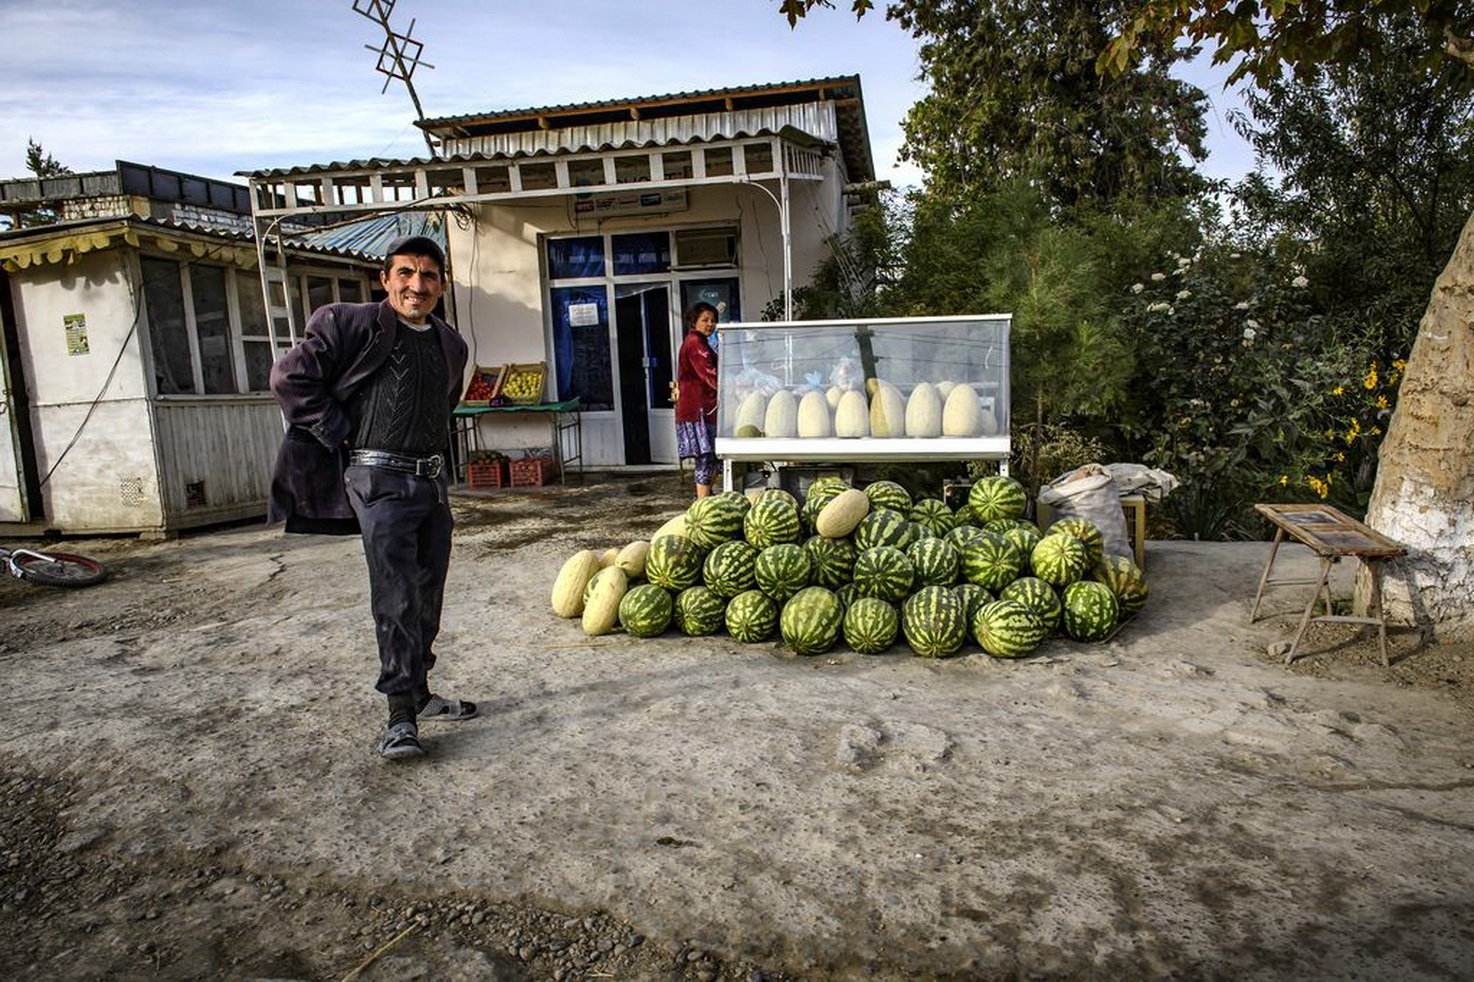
884, 572
770, 522
933, 623
870, 625
964, 516
991, 562
751, 617
1038, 596
811, 620
964, 535
674, 562
847, 595
936, 562
888, 494
1086, 531
972, 597
1059, 559
699, 611
783, 570
834, 561
1008, 629
997, 497
1024, 537
934, 516
1124, 578
883, 527
645, 611
730, 569
1091, 611
738, 499
778, 494
830, 485
715, 519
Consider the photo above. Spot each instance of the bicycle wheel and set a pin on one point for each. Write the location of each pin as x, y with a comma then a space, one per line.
59, 569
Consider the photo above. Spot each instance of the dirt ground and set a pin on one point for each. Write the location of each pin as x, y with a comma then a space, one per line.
190, 790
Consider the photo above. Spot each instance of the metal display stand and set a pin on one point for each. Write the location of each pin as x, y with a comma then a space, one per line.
943, 337
565, 430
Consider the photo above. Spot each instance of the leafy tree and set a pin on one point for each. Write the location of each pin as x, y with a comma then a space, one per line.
1425, 480
1377, 158
42, 165
1013, 92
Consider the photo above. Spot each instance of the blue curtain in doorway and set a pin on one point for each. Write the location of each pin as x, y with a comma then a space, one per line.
581, 345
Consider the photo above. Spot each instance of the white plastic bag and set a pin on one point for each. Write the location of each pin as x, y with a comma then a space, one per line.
1089, 492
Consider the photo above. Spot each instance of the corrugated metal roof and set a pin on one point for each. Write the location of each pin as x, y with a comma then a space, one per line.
371, 237
826, 120
234, 235
691, 96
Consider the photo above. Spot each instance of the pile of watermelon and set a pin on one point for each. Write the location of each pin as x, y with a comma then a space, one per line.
867, 567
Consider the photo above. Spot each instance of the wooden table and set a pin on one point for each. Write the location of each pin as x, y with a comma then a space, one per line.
1332, 536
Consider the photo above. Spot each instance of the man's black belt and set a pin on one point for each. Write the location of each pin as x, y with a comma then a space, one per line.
430, 467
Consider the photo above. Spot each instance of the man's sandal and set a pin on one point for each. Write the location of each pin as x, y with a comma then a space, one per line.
400, 740
447, 709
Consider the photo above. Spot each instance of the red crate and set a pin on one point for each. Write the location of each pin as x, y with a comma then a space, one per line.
533, 472
487, 474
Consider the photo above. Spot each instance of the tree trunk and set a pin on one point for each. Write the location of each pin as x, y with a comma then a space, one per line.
1424, 493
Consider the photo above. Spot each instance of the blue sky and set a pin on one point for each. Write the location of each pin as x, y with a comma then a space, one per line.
229, 85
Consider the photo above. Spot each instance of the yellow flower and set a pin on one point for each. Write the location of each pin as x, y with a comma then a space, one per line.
1370, 382
1382, 402
1284, 480
1375, 431
1398, 364
1321, 488
1338, 390
1339, 458
1353, 431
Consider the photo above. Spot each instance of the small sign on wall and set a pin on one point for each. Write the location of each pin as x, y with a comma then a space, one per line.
76, 328
583, 315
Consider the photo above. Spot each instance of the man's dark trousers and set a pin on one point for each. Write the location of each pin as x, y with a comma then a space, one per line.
406, 527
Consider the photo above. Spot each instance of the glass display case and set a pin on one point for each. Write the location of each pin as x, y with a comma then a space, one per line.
910, 388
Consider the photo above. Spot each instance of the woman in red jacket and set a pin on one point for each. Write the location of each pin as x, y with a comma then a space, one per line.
696, 399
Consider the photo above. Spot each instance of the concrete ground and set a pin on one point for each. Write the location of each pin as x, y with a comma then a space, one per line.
185, 753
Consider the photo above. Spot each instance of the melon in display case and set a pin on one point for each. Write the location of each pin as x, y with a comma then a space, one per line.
909, 388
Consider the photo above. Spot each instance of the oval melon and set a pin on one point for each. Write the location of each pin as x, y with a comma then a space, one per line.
813, 416
631, 559
750, 412
989, 425
833, 396
839, 518
887, 411
963, 414
924, 412
601, 610
781, 419
676, 526
944, 389
851, 419
572, 579
608, 556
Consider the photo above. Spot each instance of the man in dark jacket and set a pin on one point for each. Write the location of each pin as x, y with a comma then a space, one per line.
367, 397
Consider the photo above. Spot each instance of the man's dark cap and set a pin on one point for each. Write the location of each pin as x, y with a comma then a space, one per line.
415, 245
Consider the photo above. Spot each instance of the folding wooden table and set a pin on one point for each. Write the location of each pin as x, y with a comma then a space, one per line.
1332, 536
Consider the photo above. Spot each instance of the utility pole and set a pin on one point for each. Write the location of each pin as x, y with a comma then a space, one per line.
399, 55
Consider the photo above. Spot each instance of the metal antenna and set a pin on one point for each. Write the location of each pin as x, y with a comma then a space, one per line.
399, 55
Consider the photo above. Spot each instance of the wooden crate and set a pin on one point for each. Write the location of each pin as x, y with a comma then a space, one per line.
523, 384
1134, 507
533, 472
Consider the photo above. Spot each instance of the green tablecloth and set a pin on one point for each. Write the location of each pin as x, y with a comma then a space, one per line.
566, 406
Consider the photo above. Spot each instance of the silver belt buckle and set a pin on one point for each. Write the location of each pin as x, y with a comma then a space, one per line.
429, 466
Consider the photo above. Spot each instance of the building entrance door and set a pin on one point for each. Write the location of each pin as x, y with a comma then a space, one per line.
642, 321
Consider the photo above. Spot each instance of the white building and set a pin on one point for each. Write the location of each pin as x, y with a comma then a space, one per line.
136, 348
578, 234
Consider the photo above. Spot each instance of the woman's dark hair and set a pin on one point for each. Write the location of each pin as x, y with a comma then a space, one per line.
694, 312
